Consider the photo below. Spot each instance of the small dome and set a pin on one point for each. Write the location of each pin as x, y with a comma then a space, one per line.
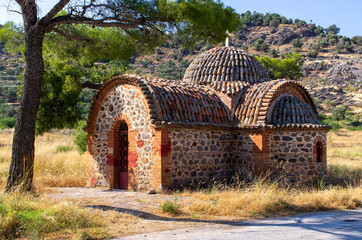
226, 69
291, 110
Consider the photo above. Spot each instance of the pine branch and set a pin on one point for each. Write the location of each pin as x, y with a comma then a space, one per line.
90, 85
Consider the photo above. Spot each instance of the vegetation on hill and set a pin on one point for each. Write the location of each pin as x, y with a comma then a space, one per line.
287, 48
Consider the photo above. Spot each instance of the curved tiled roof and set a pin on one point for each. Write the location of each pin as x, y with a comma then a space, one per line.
291, 110
226, 69
169, 102
257, 101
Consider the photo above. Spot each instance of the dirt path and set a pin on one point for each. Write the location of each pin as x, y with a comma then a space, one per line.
152, 224
322, 225
146, 207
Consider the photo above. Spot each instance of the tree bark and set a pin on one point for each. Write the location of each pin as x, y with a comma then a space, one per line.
22, 159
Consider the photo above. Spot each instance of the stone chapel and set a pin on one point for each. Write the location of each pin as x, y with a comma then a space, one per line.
224, 117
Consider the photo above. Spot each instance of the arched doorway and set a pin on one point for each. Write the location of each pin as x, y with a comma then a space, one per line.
123, 155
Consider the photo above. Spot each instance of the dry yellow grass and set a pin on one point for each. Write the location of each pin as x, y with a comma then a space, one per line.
52, 168
262, 198
345, 148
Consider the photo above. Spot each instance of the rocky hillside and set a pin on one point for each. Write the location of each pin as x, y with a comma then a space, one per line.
332, 68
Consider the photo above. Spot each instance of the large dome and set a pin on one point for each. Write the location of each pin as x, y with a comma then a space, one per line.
226, 69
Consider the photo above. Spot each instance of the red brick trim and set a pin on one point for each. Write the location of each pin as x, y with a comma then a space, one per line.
261, 152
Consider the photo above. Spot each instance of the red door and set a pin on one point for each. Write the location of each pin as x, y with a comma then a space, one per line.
123, 156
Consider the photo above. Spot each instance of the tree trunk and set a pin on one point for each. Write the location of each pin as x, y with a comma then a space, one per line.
22, 159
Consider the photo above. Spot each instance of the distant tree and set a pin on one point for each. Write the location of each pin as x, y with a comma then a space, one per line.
332, 39
339, 113
260, 45
273, 53
297, 43
289, 68
274, 23
312, 54
333, 29
319, 30
314, 46
357, 40
300, 23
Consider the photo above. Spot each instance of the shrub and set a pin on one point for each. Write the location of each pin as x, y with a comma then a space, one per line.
260, 45
80, 137
273, 30
273, 53
319, 30
357, 40
7, 123
274, 23
339, 113
312, 54
297, 43
171, 206
64, 148
321, 65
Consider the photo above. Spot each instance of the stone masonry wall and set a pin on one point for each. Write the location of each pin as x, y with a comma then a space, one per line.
124, 102
293, 153
200, 157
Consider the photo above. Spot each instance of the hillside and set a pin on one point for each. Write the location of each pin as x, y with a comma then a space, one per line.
332, 68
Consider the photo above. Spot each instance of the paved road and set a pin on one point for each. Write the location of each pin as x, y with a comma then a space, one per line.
322, 225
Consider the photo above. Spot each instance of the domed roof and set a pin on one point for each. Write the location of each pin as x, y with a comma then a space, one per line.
226, 69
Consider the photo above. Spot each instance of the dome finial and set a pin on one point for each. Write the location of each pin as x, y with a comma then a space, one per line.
227, 38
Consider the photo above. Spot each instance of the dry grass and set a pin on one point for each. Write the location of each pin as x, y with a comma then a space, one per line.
58, 164
265, 199
53, 168
26, 216
345, 148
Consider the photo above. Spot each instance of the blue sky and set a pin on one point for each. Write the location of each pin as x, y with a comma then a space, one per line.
346, 14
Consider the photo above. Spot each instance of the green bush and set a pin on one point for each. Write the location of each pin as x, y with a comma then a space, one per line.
273, 53
260, 45
297, 43
80, 137
333, 29
357, 40
7, 123
312, 54
64, 148
171, 206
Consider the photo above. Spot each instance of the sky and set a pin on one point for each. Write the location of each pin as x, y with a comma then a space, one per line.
346, 14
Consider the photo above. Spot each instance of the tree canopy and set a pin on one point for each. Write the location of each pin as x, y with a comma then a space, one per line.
289, 68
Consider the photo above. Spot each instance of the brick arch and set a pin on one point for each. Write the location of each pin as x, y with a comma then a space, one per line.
323, 143
132, 80
257, 101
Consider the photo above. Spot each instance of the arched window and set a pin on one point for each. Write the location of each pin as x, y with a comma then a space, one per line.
319, 152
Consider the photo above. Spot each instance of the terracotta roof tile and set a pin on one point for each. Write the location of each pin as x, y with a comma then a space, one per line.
277, 96
226, 69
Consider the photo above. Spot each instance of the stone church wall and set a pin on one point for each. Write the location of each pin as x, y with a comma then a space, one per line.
200, 157
293, 154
